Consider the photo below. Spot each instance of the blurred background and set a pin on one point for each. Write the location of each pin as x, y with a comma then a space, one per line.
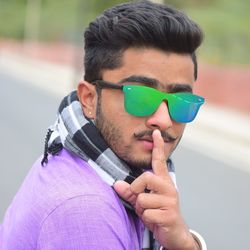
41, 57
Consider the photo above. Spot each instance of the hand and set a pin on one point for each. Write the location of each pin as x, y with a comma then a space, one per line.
159, 209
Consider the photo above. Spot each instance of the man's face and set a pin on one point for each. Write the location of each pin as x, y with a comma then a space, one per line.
130, 136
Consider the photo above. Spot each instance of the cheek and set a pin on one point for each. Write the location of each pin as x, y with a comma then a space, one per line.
114, 111
113, 102
179, 128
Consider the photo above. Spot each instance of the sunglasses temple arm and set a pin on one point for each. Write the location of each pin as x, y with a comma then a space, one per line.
104, 84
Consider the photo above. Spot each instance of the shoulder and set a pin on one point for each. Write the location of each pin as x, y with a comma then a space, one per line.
66, 205
84, 222
66, 179
66, 176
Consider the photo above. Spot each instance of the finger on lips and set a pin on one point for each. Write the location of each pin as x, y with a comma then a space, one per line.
155, 181
158, 155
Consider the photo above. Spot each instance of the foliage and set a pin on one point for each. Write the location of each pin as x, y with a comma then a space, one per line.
225, 23
226, 27
12, 16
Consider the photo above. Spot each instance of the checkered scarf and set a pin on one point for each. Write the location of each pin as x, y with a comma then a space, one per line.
79, 135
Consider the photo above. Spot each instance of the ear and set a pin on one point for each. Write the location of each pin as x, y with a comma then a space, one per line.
88, 97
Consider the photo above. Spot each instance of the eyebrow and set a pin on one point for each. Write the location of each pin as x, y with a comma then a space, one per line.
179, 87
154, 83
150, 82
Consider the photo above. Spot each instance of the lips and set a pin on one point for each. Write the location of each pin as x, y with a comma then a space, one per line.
147, 142
146, 138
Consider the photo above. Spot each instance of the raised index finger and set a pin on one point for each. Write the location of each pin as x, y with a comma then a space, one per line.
158, 156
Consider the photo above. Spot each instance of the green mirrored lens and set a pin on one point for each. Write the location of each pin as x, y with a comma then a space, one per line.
183, 107
141, 100
144, 101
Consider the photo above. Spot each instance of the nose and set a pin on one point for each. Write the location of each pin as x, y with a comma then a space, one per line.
160, 119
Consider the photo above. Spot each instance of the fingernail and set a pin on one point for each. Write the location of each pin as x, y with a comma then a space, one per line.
156, 131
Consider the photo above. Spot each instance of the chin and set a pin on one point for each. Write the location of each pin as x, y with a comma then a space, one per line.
140, 163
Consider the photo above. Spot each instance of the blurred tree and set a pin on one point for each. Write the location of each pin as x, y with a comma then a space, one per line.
12, 16
32, 20
225, 22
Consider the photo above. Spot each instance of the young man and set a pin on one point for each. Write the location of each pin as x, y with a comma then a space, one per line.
106, 180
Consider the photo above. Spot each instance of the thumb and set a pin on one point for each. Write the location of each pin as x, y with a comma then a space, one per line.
122, 188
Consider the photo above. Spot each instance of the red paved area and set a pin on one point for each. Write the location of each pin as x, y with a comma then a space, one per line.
60, 53
226, 86
221, 85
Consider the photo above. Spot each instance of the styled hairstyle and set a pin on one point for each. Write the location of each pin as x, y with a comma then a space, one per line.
137, 24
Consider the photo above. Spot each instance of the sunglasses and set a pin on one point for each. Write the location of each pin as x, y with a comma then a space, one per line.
144, 101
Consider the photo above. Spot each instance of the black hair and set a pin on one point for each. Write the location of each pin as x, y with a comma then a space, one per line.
137, 24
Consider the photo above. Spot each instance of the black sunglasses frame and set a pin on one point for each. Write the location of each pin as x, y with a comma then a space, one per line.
106, 84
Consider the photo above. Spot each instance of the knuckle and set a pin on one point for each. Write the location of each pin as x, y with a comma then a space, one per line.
146, 216
173, 192
160, 160
133, 189
172, 218
173, 204
147, 175
141, 200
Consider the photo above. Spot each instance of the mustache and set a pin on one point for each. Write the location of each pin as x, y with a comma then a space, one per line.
165, 135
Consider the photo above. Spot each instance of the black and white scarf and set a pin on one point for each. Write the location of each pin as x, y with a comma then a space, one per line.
79, 135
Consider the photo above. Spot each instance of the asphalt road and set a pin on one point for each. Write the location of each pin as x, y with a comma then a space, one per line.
213, 195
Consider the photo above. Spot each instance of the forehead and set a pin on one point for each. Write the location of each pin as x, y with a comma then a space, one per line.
165, 68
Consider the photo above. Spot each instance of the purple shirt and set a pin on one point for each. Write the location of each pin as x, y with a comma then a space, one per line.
66, 205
